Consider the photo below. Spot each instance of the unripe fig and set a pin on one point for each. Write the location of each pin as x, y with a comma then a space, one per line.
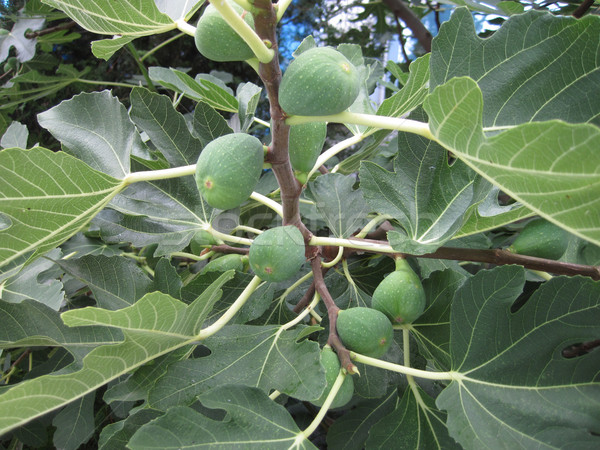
400, 296
331, 364
542, 239
277, 254
305, 144
228, 169
319, 82
225, 263
201, 240
365, 331
216, 40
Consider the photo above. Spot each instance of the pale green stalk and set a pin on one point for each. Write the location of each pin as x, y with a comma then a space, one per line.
545, 275
373, 223
245, 4
161, 45
335, 260
350, 243
235, 21
331, 152
231, 311
294, 286
153, 175
207, 255
262, 122
105, 83
370, 120
247, 229
403, 369
411, 381
185, 27
281, 6
267, 202
305, 434
228, 237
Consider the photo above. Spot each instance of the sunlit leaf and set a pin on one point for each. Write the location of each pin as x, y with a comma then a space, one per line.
125, 17
552, 167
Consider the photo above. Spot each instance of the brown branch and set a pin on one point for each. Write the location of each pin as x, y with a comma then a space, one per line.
62, 26
332, 312
265, 21
223, 248
401, 10
583, 8
502, 257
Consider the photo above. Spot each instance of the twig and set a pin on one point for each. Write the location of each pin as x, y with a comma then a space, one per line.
62, 26
332, 312
583, 8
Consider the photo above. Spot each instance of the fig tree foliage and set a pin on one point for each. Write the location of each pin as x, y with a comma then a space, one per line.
245, 240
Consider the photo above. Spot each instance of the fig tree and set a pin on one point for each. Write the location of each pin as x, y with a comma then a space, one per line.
216, 40
331, 364
305, 144
277, 254
400, 296
228, 169
365, 331
542, 239
320, 81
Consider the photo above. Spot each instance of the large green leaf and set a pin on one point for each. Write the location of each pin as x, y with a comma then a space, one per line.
115, 282
33, 324
45, 198
429, 198
515, 389
153, 326
204, 88
166, 127
253, 421
350, 431
266, 357
415, 423
552, 167
125, 17
536, 67
95, 128
340, 205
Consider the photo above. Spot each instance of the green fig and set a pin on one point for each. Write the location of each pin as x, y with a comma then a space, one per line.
365, 331
277, 254
225, 263
319, 82
216, 40
305, 144
202, 240
228, 169
542, 239
400, 296
331, 364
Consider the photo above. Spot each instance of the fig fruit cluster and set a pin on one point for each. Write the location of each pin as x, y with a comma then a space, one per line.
398, 299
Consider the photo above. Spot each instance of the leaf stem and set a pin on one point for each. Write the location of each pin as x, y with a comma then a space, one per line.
305, 434
334, 150
281, 6
163, 174
104, 83
335, 260
141, 66
235, 21
378, 247
228, 237
185, 27
267, 202
372, 224
161, 45
232, 310
402, 369
371, 120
